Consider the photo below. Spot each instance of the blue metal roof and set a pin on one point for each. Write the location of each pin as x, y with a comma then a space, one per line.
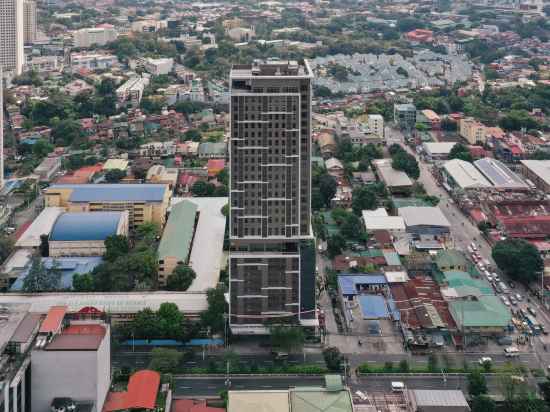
115, 192
85, 226
347, 282
373, 307
69, 266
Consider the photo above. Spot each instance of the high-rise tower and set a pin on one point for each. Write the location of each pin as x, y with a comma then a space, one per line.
11, 36
272, 258
30, 21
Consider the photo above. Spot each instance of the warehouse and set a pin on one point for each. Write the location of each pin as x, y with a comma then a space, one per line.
42, 225
463, 175
424, 400
395, 180
538, 172
437, 150
144, 203
425, 223
500, 176
84, 233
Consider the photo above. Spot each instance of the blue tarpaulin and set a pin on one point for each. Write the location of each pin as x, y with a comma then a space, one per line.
348, 283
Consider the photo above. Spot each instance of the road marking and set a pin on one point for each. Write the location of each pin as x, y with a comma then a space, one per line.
266, 386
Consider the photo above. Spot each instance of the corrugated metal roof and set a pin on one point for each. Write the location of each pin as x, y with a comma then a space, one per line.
320, 400
178, 233
499, 174
465, 175
53, 319
423, 216
441, 398
258, 401
115, 192
42, 225
85, 226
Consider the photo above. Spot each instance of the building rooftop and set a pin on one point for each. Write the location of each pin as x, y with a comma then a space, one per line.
440, 398
438, 148
541, 168
207, 249
465, 174
111, 164
142, 392
499, 174
53, 320
390, 176
86, 226
320, 400
485, 311
271, 68
78, 337
258, 401
423, 216
114, 192
42, 225
450, 258
26, 328
178, 233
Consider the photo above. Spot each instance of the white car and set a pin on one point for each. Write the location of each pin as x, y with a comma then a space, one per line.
473, 246
485, 359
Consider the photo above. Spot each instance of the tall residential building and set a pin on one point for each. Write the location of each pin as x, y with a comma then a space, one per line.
1, 129
29, 23
272, 258
12, 57
94, 35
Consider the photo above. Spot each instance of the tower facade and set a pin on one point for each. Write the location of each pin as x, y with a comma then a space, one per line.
272, 257
30, 19
11, 36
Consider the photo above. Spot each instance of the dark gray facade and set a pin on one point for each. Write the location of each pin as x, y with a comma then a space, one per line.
270, 191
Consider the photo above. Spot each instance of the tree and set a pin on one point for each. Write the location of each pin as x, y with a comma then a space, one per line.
459, 151
335, 244
83, 282
116, 246
477, 384
433, 363
181, 278
540, 155
165, 360
40, 278
192, 134
6, 247
519, 259
407, 163
483, 403
333, 359
145, 325
115, 175
363, 198
404, 366
171, 321
327, 187
42, 148
201, 189
286, 337
66, 132
352, 228
213, 317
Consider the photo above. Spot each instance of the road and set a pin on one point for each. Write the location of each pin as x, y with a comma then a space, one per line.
212, 386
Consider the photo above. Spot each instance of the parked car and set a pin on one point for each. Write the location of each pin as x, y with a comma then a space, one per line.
485, 359
511, 352
531, 311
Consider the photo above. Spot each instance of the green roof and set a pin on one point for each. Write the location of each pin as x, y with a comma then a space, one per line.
450, 258
486, 311
371, 253
178, 233
399, 202
465, 285
320, 400
392, 258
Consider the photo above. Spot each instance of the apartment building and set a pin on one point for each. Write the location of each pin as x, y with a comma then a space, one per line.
272, 254
131, 91
12, 57
99, 36
29, 21
144, 203
473, 131
92, 61
376, 125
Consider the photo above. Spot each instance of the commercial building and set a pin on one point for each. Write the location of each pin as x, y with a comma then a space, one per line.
425, 223
177, 238
395, 180
433, 400
70, 359
473, 131
98, 36
84, 233
437, 150
144, 203
376, 125
334, 397
156, 67
404, 115
272, 256
48, 168
41, 225
463, 175
500, 176
380, 220
30, 18
131, 91
537, 172
429, 118
12, 36
92, 61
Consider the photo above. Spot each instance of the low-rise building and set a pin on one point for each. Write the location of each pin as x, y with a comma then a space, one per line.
500, 176
537, 172
144, 203
376, 125
84, 233
159, 66
473, 131
131, 91
48, 168
98, 36
92, 61
437, 150
395, 180
463, 175
425, 223
209, 150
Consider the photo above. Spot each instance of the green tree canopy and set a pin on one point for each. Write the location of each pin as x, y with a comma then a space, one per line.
407, 163
327, 187
286, 337
477, 384
213, 317
40, 278
115, 175
333, 359
165, 360
116, 246
460, 151
363, 198
519, 259
181, 278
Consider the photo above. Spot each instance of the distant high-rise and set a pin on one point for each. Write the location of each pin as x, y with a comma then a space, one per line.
272, 258
30, 19
11, 36
1, 129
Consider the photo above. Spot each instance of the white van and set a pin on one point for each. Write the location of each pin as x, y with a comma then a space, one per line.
511, 352
397, 386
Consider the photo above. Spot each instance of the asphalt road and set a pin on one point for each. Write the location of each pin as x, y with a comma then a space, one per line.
212, 386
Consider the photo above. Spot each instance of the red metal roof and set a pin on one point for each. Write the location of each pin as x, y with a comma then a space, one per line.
53, 320
190, 405
142, 392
